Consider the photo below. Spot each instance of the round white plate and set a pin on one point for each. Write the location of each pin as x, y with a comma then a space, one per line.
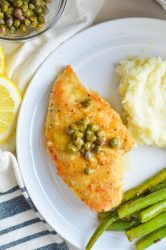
94, 54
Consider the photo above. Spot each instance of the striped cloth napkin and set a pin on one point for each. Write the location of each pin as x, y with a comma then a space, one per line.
163, 3
21, 226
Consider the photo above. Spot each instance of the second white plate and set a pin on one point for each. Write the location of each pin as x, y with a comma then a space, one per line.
93, 54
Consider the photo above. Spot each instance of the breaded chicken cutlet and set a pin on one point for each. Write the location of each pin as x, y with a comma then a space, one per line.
86, 139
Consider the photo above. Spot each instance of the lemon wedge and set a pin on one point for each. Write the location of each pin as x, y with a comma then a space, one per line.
10, 100
2, 61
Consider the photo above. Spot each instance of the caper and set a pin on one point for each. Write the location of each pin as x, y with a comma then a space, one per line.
45, 10
9, 12
86, 103
2, 21
91, 137
81, 128
18, 3
113, 142
101, 141
22, 28
98, 149
9, 22
87, 155
28, 13
94, 138
88, 171
82, 150
78, 134
8, 15
74, 127
5, 7
27, 22
2, 29
38, 10
24, 8
34, 24
31, 6
89, 132
86, 121
43, 4
82, 124
1, 15
101, 133
16, 23
40, 26
93, 127
87, 146
40, 19
33, 19
11, 9
18, 13
37, 2
72, 148
12, 29
78, 143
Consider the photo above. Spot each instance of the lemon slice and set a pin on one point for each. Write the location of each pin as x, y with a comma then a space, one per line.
2, 61
10, 100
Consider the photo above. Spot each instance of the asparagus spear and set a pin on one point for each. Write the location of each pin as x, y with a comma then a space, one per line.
157, 187
134, 206
102, 215
152, 211
146, 227
101, 228
145, 186
123, 225
151, 238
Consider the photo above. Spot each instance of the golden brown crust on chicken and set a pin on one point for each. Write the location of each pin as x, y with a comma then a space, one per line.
101, 190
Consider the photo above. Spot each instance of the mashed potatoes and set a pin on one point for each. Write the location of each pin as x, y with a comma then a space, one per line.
143, 96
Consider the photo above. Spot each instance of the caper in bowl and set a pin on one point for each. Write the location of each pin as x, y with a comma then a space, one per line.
26, 19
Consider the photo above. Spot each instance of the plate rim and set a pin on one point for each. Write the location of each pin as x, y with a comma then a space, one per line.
18, 141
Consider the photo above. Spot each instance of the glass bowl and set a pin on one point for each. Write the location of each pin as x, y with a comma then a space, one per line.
55, 7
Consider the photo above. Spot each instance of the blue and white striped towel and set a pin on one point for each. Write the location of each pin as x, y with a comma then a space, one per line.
163, 3
21, 226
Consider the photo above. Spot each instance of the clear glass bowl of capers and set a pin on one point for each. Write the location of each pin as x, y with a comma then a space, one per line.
26, 19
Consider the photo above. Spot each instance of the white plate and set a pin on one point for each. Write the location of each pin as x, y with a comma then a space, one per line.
93, 54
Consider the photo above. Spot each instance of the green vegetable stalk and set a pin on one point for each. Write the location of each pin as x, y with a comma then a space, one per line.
145, 186
152, 211
101, 228
157, 187
123, 225
134, 206
146, 227
151, 238
101, 216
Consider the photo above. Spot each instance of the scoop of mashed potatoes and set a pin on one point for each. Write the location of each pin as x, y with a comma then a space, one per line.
143, 96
